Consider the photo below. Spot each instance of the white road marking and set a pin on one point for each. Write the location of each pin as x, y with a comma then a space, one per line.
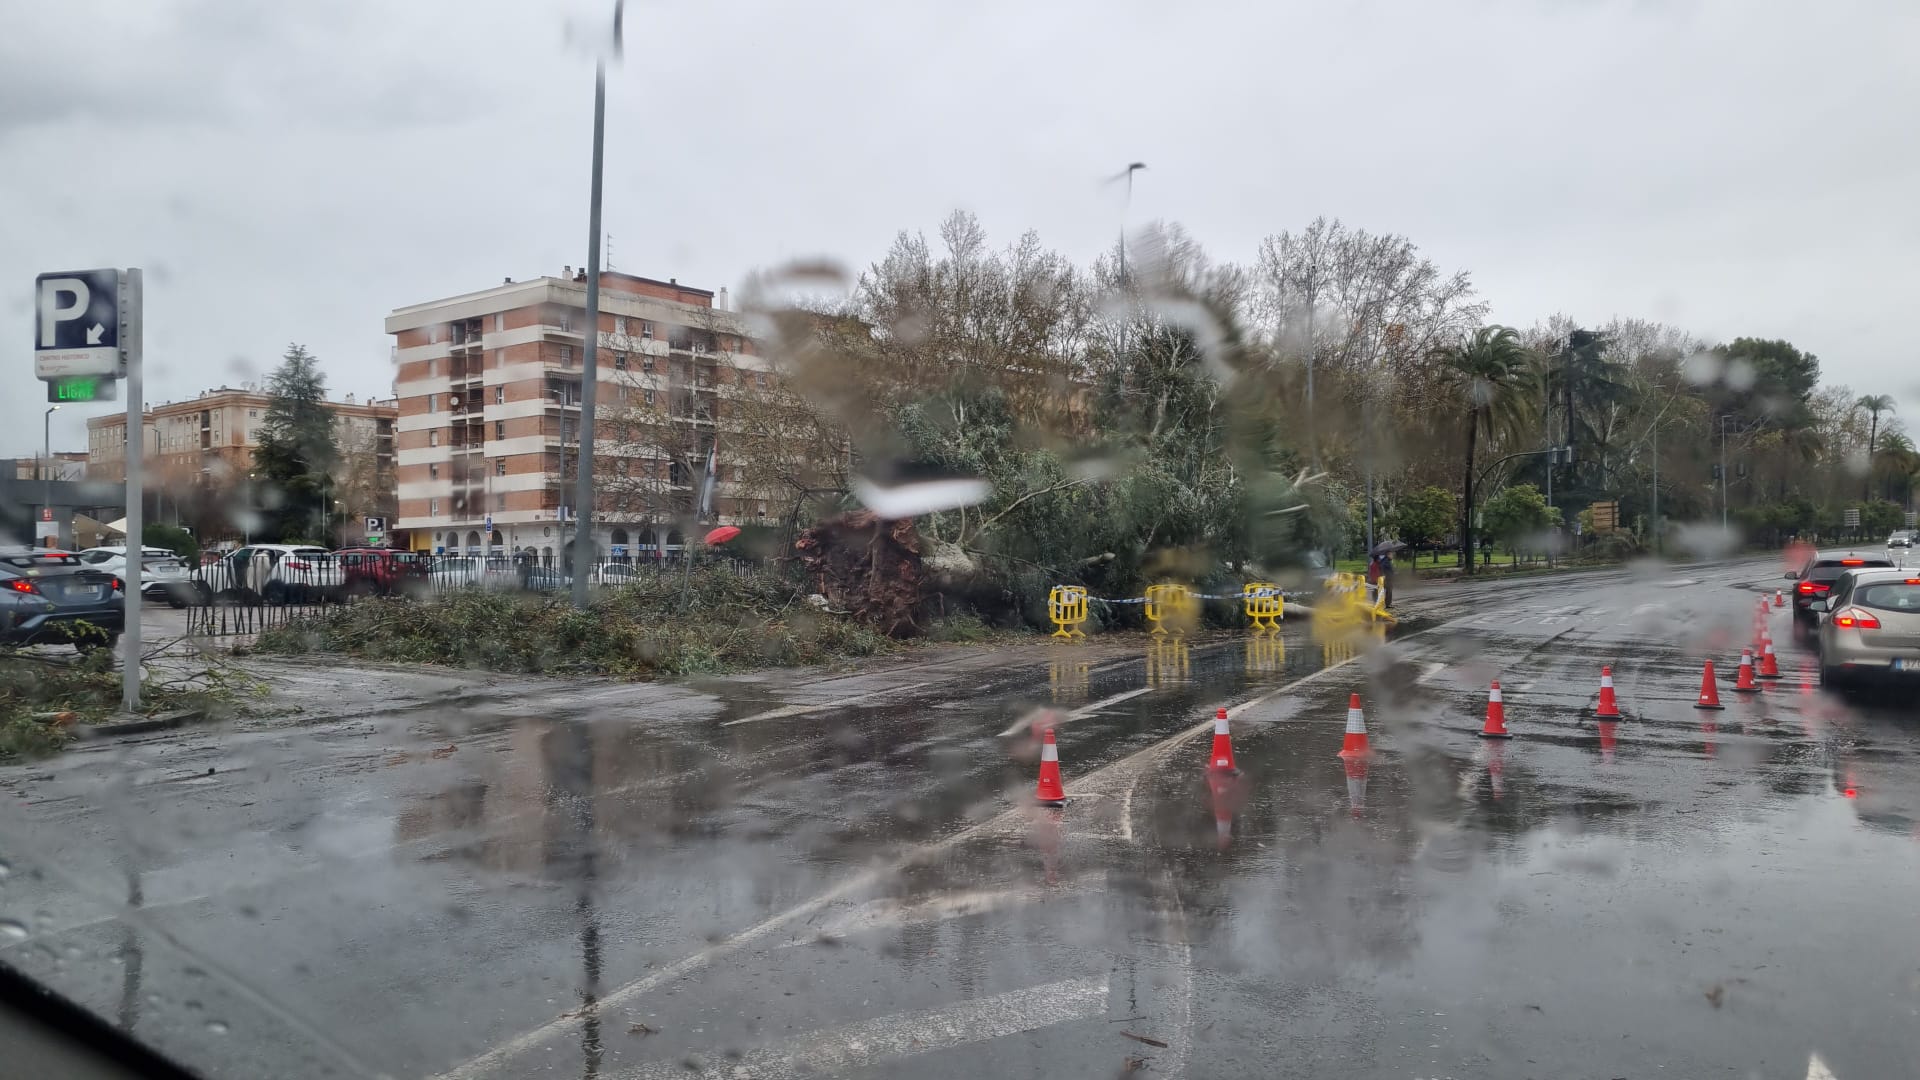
958, 905
867, 1043
1817, 1069
1428, 669
1082, 712
801, 710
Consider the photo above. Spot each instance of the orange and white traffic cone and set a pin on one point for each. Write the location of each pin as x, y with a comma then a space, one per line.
1356, 785
1608, 706
1221, 760
1779, 599
1496, 726
1744, 684
1769, 665
1606, 739
1355, 744
1050, 791
1709, 690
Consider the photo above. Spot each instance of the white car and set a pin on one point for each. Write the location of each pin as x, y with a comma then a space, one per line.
275, 573
614, 574
162, 575
458, 570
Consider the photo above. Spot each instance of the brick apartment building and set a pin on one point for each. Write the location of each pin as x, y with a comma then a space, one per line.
489, 385
211, 439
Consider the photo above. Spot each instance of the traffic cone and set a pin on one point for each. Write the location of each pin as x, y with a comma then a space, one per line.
1744, 683
1050, 792
1769, 666
1606, 739
1222, 757
1608, 706
1496, 727
1709, 690
1356, 785
1779, 599
1355, 744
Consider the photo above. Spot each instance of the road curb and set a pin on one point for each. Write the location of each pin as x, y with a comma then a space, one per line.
141, 725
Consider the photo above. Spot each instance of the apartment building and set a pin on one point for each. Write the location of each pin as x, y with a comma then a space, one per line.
211, 439
489, 387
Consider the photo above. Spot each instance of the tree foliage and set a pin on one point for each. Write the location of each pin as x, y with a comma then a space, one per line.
297, 454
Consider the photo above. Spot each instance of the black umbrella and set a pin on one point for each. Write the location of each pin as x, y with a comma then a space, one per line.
1387, 547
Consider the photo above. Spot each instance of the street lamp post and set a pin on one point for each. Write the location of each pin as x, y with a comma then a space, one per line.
46, 461
590, 333
1723, 473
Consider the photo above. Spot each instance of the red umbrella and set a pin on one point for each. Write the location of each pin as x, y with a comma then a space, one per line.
722, 534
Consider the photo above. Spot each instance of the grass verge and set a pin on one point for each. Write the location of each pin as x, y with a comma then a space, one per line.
728, 622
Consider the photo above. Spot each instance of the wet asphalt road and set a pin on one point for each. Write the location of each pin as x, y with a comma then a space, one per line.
839, 873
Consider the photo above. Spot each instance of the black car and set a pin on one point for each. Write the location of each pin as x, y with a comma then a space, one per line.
1817, 576
53, 597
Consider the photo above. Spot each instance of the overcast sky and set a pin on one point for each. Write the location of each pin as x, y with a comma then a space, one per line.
291, 172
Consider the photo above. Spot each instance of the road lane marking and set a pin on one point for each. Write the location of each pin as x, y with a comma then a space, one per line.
880, 914
867, 1043
1082, 712
801, 710
1817, 1069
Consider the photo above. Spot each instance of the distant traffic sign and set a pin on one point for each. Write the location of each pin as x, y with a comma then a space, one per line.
376, 524
1851, 517
76, 323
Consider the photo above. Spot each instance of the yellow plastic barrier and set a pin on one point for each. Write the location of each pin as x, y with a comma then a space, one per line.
1263, 612
1171, 605
1067, 607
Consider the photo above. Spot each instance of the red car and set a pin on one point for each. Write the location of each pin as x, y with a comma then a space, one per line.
371, 571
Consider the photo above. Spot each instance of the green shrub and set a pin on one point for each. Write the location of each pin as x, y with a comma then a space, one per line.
730, 622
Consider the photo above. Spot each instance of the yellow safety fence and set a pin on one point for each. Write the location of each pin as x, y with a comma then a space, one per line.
1067, 607
1171, 605
1265, 607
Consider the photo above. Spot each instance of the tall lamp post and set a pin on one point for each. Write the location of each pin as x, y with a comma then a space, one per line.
589, 360
46, 463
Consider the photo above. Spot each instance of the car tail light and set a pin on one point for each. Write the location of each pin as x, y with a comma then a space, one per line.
119, 586
1854, 618
296, 564
1808, 588
1853, 562
22, 585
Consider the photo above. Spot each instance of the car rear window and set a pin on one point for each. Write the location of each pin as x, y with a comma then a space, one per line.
1890, 596
1831, 569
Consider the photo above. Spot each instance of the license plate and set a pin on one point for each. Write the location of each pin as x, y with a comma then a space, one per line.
1905, 665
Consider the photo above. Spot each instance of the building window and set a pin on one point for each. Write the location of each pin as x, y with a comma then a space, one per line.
433, 470
646, 363
760, 379
500, 467
499, 429
646, 329
566, 355
433, 403
500, 394
430, 334
620, 324
433, 507
433, 437
499, 321
253, 414
647, 395
499, 502
620, 361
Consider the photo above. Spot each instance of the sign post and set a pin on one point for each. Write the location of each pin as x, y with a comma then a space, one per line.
130, 320
86, 338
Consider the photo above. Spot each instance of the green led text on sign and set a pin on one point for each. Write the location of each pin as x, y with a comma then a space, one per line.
86, 388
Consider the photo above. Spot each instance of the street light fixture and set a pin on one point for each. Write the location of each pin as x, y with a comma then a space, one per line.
46, 463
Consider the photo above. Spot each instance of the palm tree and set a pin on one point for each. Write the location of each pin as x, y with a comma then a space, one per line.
1875, 404
1497, 375
1899, 464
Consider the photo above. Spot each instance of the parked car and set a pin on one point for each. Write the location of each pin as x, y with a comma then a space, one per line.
1816, 578
472, 570
615, 574
162, 575
1901, 539
369, 571
545, 579
54, 597
274, 573
1870, 628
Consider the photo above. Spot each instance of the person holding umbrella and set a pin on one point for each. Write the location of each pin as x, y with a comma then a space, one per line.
1381, 569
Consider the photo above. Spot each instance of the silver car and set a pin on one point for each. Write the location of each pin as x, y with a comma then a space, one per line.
1870, 628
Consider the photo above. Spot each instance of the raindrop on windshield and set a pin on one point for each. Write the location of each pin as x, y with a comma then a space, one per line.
13, 930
